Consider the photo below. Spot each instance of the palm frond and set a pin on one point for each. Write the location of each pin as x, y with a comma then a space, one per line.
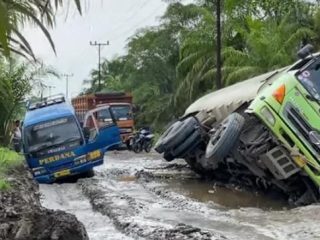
242, 73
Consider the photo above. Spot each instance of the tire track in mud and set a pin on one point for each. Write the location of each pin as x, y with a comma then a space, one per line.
69, 198
171, 208
128, 206
128, 197
144, 208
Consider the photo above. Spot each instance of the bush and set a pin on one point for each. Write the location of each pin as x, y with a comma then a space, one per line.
8, 160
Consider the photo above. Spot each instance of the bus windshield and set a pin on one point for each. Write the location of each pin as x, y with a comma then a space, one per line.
52, 134
121, 112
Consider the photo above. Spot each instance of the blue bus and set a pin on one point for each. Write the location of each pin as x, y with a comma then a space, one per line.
56, 146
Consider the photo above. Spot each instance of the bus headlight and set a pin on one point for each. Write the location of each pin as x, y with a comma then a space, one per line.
80, 160
267, 114
94, 155
38, 171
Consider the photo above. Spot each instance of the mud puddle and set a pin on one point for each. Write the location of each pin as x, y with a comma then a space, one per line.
230, 198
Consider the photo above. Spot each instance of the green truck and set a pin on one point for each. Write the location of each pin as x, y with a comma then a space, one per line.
262, 133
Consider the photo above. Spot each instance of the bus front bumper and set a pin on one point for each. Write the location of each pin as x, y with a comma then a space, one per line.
63, 173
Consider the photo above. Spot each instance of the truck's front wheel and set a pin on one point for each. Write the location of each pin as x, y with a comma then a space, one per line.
224, 137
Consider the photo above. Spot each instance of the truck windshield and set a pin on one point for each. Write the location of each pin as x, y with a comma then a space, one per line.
52, 134
122, 112
310, 79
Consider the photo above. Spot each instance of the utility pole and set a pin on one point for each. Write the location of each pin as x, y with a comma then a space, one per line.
218, 29
50, 87
42, 87
99, 45
67, 76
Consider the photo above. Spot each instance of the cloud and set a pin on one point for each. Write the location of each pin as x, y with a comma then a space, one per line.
113, 20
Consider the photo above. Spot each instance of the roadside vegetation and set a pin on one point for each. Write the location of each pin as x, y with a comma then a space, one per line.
20, 70
169, 66
8, 160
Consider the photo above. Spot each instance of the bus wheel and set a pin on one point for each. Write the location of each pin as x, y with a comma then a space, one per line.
88, 174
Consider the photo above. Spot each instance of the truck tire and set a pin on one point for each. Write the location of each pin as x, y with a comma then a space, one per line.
189, 144
168, 156
194, 163
176, 134
159, 146
225, 137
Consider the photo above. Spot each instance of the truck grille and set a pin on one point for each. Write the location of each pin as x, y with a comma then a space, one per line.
125, 130
301, 126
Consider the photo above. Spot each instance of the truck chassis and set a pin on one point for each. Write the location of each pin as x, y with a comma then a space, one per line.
251, 158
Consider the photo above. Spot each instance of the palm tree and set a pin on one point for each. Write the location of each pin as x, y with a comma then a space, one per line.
14, 14
16, 82
269, 46
197, 56
264, 45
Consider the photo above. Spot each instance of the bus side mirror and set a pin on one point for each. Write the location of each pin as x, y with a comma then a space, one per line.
86, 133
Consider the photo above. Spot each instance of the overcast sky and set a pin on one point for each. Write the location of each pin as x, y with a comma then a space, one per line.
102, 20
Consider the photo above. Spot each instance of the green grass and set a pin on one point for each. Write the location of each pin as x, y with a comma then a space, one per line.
8, 160
4, 185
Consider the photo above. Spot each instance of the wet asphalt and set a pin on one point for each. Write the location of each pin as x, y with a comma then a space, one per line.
141, 196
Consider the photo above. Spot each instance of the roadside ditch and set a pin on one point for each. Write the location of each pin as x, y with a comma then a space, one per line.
23, 218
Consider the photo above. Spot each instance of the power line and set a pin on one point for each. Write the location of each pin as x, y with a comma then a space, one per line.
133, 15
99, 45
115, 28
135, 26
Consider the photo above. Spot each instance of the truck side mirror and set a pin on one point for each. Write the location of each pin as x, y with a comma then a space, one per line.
135, 108
305, 51
86, 133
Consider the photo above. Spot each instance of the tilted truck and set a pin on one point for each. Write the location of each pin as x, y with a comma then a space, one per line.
120, 104
262, 133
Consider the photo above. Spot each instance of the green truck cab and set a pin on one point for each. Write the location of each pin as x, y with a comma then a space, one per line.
263, 133
291, 110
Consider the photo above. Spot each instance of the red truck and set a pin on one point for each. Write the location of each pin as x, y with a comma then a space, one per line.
120, 104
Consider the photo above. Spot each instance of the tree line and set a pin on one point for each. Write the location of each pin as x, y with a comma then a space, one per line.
168, 66
20, 70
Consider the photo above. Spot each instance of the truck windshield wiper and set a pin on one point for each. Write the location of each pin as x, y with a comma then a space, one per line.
312, 98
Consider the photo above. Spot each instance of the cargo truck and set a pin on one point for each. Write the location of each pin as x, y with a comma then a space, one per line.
262, 133
121, 108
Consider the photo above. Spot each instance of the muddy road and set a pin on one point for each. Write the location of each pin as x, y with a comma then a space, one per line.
140, 196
